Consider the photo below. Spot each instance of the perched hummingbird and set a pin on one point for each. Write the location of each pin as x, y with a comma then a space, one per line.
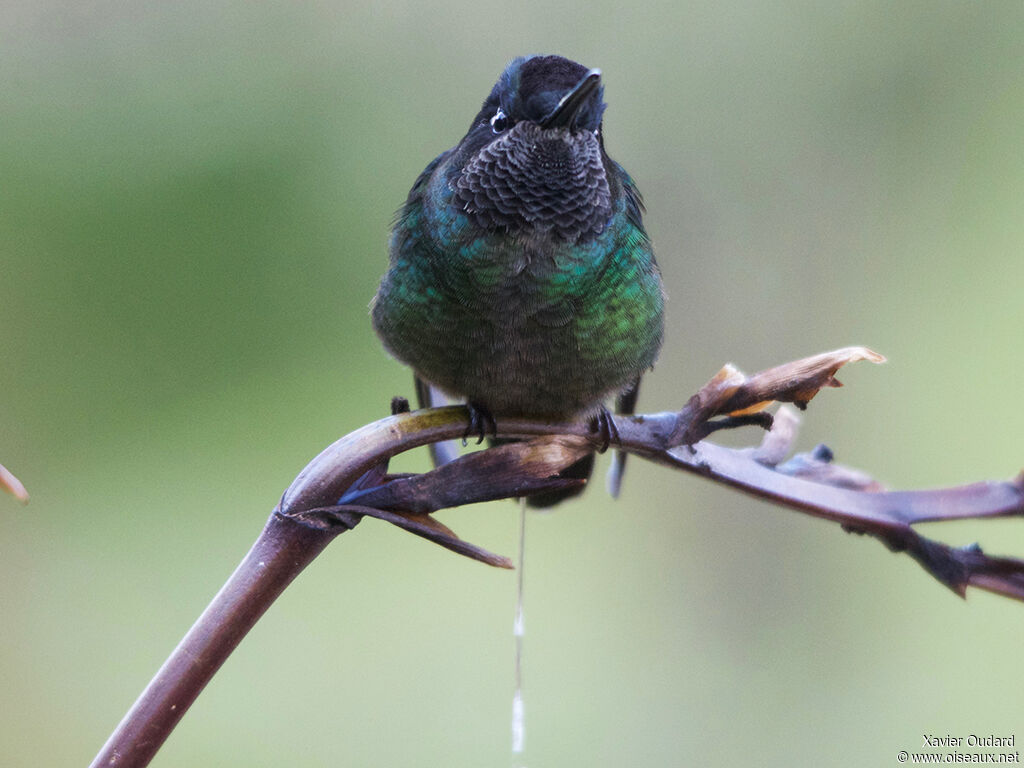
521, 278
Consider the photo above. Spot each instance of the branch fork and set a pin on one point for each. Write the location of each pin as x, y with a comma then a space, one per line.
810, 483
349, 481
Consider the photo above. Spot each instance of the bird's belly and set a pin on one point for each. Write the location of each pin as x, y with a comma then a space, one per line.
512, 362
519, 368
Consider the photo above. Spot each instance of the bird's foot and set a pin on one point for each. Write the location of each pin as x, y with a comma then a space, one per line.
399, 405
604, 424
480, 423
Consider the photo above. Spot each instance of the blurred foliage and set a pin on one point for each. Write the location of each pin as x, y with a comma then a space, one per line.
194, 204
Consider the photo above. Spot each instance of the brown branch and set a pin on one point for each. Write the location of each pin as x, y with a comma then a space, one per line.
284, 548
807, 483
349, 480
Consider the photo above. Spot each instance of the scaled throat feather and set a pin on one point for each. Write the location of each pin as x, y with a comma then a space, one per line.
540, 179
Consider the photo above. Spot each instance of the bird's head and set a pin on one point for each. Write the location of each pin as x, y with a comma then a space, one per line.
533, 155
549, 91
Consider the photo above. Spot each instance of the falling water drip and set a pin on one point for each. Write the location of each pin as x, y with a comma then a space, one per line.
518, 716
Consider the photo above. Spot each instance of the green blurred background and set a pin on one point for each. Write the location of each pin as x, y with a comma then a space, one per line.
194, 205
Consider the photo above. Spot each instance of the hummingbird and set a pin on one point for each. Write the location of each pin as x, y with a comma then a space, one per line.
521, 278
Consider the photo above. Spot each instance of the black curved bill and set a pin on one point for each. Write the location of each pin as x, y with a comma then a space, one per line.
564, 115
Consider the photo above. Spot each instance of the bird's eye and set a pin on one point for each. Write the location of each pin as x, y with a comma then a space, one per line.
499, 122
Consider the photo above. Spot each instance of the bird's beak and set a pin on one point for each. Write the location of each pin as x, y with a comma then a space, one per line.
564, 115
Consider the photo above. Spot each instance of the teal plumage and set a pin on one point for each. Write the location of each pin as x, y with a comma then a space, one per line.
521, 278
